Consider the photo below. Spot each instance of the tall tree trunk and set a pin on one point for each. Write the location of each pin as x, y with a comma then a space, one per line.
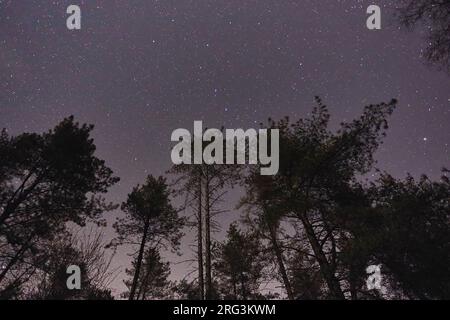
325, 267
143, 288
353, 291
244, 291
139, 260
208, 238
280, 261
201, 282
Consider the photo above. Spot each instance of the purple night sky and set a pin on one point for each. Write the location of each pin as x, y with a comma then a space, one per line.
139, 69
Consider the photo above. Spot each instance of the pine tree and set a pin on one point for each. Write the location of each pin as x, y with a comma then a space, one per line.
153, 280
46, 181
317, 175
150, 221
239, 265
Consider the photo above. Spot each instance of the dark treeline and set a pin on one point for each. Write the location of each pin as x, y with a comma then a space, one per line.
311, 231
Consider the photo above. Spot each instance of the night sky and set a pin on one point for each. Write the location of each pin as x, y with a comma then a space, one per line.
138, 70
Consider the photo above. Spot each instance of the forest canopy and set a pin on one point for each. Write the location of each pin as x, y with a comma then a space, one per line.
313, 228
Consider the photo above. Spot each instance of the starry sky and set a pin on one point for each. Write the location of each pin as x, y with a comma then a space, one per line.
140, 69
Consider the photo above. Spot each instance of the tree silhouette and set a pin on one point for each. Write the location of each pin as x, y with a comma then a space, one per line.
239, 265
307, 282
189, 183
317, 173
153, 280
435, 16
314, 227
407, 230
186, 290
150, 221
87, 252
46, 181
204, 186
264, 218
